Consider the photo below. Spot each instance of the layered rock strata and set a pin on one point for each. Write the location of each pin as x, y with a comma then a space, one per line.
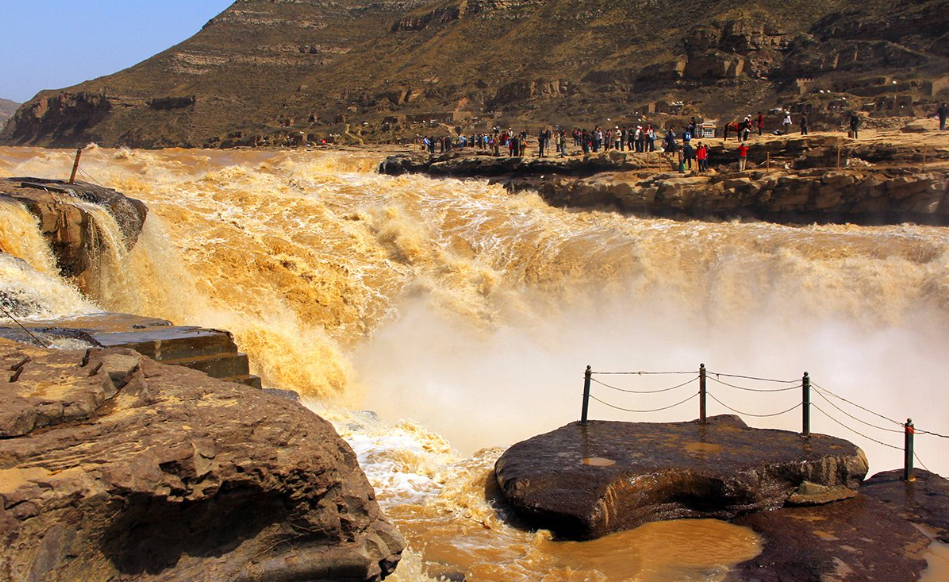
787, 181
868, 196
585, 481
113, 466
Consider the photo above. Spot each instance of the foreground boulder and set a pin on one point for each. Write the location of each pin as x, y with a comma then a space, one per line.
588, 481
113, 466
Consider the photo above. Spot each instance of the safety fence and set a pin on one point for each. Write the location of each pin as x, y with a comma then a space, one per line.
697, 388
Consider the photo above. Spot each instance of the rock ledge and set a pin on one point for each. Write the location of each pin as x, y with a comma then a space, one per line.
588, 481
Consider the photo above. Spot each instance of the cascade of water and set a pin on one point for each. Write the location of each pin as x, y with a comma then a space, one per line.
20, 236
29, 294
474, 312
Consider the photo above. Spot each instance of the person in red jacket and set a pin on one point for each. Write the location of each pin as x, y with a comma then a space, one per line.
760, 122
742, 156
701, 154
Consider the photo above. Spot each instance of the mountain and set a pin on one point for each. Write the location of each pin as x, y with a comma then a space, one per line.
265, 71
7, 108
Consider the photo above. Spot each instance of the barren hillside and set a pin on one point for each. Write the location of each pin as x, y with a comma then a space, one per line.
273, 71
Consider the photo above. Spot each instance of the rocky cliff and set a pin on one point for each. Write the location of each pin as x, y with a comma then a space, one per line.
7, 109
134, 470
285, 71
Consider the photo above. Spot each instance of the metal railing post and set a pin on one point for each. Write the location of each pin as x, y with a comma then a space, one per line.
909, 432
806, 404
75, 166
702, 393
586, 394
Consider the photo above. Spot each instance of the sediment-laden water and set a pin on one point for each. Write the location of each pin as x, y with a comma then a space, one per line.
463, 317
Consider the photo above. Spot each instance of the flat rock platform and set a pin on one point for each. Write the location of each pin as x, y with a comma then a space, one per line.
586, 481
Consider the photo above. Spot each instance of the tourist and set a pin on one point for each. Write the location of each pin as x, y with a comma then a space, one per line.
803, 124
688, 154
786, 124
760, 123
742, 156
941, 113
746, 128
541, 142
701, 154
650, 137
692, 128
562, 142
854, 125
669, 142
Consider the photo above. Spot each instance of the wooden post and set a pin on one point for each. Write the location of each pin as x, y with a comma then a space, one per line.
702, 393
909, 431
75, 166
586, 394
806, 401
768, 162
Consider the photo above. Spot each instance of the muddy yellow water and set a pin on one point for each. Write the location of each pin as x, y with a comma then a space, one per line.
463, 317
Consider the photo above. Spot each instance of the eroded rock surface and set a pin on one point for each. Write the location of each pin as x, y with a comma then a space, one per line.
587, 481
115, 467
857, 540
924, 500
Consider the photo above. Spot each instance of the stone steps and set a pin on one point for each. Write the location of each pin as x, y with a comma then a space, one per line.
225, 365
211, 351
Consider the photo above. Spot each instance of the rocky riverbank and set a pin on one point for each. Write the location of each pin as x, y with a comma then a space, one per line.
799, 179
117, 467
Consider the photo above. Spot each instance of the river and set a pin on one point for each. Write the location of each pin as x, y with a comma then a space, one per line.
437, 321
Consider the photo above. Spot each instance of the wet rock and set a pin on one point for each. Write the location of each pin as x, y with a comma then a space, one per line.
67, 225
587, 481
924, 500
858, 540
115, 467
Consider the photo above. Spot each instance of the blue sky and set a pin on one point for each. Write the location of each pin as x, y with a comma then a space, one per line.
50, 44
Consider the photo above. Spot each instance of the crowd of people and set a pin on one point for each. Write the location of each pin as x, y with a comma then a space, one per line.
683, 149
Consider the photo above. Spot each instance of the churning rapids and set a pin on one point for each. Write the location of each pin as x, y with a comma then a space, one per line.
463, 316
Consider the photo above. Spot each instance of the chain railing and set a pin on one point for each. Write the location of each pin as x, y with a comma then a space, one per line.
754, 384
